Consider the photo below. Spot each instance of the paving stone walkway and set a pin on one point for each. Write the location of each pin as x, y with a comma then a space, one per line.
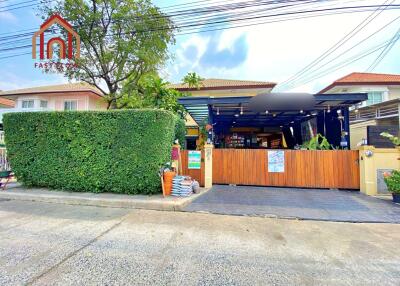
312, 204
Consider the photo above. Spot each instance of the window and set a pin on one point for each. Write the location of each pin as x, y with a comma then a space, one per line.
70, 105
374, 97
43, 103
27, 103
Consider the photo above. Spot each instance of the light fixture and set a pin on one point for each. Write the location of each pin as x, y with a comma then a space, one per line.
356, 110
217, 110
329, 109
308, 115
241, 110
274, 114
292, 122
266, 111
281, 126
314, 113
236, 115
339, 111
301, 111
234, 122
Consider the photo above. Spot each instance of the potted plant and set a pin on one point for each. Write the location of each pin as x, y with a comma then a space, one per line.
394, 139
392, 181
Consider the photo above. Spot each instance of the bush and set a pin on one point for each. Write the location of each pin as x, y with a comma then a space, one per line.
393, 181
117, 151
180, 131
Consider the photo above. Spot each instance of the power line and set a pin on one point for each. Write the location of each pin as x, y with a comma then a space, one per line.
384, 52
336, 46
307, 75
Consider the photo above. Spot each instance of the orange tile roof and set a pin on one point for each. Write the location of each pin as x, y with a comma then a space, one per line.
215, 84
7, 102
359, 78
81, 86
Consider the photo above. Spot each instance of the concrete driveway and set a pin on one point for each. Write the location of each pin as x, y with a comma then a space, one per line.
314, 204
55, 244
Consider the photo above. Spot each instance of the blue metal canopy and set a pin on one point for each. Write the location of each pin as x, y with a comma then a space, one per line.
234, 111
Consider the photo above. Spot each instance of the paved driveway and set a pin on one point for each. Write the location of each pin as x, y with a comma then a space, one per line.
55, 244
316, 204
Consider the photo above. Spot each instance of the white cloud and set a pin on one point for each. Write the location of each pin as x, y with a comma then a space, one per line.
276, 51
8, 16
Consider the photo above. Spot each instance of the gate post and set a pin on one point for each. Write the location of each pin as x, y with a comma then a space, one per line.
373, 161
208, 165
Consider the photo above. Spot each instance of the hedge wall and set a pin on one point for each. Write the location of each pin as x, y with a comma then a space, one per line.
109, 151
180, 131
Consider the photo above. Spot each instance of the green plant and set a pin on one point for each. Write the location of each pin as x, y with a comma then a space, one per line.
393, 181
394, 139
318, 142
180, 131
118, 151
203, 134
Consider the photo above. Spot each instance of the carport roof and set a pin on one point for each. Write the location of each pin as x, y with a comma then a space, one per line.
227, 107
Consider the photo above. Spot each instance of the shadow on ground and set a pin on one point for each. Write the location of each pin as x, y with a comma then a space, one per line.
313, 204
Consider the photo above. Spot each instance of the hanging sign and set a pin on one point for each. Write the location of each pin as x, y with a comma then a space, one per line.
194, 159
276, 161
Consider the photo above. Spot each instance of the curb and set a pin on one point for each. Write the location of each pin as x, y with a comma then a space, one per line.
101, 200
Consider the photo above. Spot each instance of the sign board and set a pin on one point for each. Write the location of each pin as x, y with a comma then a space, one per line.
276, 161
375, 139
194, 159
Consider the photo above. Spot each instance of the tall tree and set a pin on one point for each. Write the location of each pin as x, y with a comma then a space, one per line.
121, 41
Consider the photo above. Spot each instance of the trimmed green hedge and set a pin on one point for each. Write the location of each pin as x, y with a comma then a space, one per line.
117, 151
180, 131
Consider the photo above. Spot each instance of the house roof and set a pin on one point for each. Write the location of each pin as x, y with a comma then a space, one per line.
217, 84
359, 78
7, 102
59, 88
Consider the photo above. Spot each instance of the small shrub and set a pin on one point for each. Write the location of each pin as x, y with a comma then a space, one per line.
180, 131
117, 151
393, 181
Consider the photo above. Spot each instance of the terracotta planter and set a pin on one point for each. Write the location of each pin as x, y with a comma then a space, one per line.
168, 177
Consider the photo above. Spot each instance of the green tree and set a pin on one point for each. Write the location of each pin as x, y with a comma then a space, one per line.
121, 41
193, 80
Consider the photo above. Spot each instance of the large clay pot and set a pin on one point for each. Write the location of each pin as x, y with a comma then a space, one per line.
168, 177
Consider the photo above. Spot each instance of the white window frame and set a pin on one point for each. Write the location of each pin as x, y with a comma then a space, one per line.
43, 101
371, 93
28, 100
70, 101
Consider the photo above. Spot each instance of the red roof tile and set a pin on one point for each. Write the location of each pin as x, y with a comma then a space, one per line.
359, 78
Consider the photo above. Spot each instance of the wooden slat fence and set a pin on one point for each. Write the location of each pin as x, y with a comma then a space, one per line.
198, 175
309, 169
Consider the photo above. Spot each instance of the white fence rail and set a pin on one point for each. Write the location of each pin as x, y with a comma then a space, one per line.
4, 164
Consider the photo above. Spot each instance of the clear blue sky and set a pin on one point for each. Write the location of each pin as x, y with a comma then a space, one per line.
270, 52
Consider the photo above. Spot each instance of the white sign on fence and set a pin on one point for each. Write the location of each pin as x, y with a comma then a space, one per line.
194, 160
276, 161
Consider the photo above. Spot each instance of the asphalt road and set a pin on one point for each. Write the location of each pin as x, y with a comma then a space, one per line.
53, 244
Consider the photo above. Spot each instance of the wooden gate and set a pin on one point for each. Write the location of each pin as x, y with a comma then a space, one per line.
309, 169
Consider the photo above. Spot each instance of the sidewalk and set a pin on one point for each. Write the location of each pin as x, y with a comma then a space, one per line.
154, 202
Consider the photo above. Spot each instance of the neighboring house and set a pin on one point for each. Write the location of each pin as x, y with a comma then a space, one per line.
381, 108
218, 88
71, 96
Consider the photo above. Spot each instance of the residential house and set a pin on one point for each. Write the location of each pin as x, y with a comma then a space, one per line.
70, 96
381, 108
214, 88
